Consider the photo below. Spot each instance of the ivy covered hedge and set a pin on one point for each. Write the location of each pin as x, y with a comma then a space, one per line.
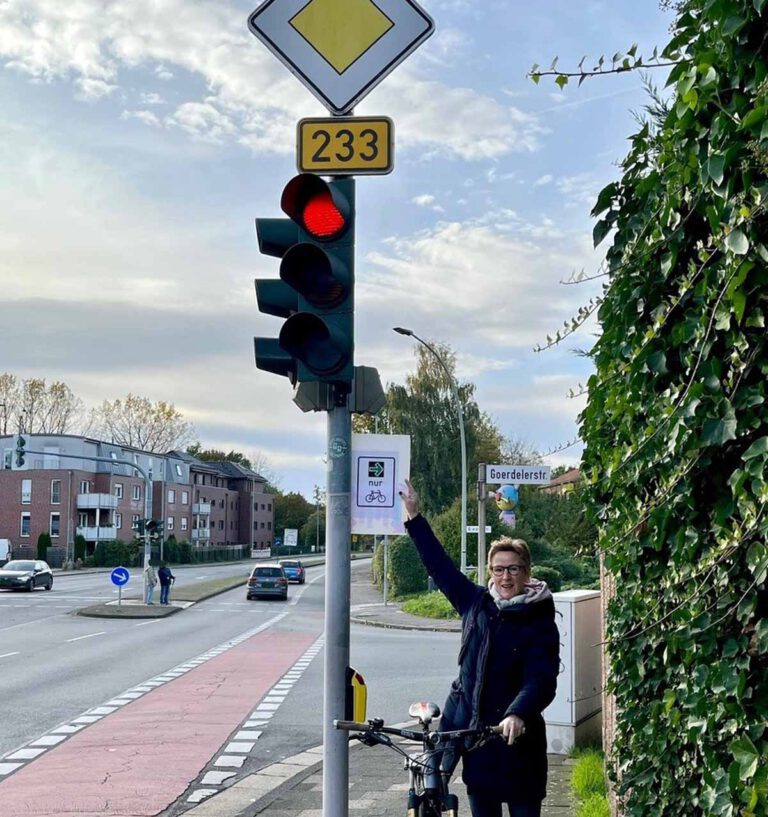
676, 427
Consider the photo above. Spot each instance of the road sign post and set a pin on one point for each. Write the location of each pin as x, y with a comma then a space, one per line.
120, 577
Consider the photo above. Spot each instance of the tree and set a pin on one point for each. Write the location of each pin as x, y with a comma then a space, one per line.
291, 511
215, 455
43, 543
312, 532
136, 422
676, 426
32, 407
425, 408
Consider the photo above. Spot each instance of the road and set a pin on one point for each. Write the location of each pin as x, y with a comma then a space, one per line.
189, 690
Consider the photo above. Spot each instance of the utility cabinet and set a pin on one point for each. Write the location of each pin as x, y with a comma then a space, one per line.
575, 716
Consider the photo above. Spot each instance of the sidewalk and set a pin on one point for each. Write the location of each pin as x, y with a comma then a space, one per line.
378, 785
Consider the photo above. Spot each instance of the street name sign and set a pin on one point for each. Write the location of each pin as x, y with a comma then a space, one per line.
380, 465
345, 145
476, 528
518, 474
120, 576
341, 49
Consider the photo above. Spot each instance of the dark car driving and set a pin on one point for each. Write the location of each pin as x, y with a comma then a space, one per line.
294, 570
26, 574
267, 580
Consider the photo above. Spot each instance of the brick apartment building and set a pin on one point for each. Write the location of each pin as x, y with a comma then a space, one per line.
205, 503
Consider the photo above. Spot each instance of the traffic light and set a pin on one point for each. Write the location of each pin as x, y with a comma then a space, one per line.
20, 444
139, 526
315, 292
154, 528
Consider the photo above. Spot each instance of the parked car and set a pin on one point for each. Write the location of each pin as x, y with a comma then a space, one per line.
26, 574
294, 570
267, 580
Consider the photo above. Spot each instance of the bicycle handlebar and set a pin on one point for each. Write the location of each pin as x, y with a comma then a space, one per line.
410, 734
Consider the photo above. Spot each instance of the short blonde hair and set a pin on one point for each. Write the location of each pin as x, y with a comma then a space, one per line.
508, 544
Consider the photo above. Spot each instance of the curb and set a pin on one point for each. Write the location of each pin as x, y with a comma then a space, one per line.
405, 626
259, 790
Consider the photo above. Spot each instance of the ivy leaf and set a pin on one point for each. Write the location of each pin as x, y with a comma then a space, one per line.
746, 755
720, 431
759, 4
602, 228
715, 167
757, 449
604, 199
737, 242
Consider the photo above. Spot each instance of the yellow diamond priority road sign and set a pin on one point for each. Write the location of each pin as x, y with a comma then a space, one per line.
341, 49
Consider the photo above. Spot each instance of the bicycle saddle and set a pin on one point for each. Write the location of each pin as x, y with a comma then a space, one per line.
424, 711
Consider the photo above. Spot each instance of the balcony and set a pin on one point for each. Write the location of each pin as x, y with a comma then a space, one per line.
201, 507
104, 533
201, 534
107, 502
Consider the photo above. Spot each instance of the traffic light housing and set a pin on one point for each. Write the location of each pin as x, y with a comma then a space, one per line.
20, 452
140, 526
315, 292
155, 528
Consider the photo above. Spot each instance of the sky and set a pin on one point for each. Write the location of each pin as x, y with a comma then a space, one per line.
139, 140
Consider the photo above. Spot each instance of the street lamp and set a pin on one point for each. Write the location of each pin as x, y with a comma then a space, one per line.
460, 412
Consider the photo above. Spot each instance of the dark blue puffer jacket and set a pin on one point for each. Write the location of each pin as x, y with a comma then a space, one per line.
508, 665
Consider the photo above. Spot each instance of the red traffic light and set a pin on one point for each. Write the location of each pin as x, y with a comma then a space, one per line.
318, 206
321, 217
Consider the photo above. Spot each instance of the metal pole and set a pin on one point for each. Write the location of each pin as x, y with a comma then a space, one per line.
338, 532
481, 496
147, 515
386, 566
460, 412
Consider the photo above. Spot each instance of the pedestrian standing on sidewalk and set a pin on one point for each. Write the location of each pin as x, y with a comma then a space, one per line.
166, 580
150, 580
508, 667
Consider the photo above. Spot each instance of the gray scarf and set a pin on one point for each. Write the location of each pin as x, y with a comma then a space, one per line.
535, 590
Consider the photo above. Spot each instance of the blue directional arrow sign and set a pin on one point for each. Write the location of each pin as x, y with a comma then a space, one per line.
120, 576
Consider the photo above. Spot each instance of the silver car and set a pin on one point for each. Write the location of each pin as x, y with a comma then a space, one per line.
267, 580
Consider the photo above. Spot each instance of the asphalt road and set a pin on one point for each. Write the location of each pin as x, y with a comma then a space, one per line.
54, 666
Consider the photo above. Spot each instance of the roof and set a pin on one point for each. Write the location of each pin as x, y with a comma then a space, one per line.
573, 475
236, 471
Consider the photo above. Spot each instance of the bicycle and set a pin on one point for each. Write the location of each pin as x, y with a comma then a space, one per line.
375, 494
429, 776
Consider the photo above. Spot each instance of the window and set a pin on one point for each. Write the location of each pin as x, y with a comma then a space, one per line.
184, 522
221, 524
26, 491
135, 462
269, 506
185, 497
82, 520
135, 521
255, 525
55, 492
171, 495
137, 492
8, 458
113, 455
263, 506
169, 523
55, 524
221, 503
269, 526
26, 524
118, 520
178, 470
119, 490
85, 486
262, 526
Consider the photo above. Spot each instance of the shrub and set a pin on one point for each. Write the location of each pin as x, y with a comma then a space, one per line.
43, 543
377, 566
79, 547
185, 553
551, 575
406, 572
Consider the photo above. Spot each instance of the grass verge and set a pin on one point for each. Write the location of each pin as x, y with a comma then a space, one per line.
588, 784
429, 605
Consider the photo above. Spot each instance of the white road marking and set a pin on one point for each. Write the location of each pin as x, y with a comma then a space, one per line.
8, 654
90, 635
154, 621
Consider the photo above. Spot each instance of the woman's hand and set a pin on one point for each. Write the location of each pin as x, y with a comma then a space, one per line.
410, 500
511, 728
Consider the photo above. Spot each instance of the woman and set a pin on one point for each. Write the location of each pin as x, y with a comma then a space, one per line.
509, 662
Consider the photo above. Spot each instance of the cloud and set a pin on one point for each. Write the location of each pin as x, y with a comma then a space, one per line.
152, 99
542, 180
147, 117
249, 96
424, 200
579, 190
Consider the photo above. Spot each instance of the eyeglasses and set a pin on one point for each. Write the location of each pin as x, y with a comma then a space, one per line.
513, 570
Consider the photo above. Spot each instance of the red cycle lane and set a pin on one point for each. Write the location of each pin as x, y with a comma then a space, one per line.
141, 758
